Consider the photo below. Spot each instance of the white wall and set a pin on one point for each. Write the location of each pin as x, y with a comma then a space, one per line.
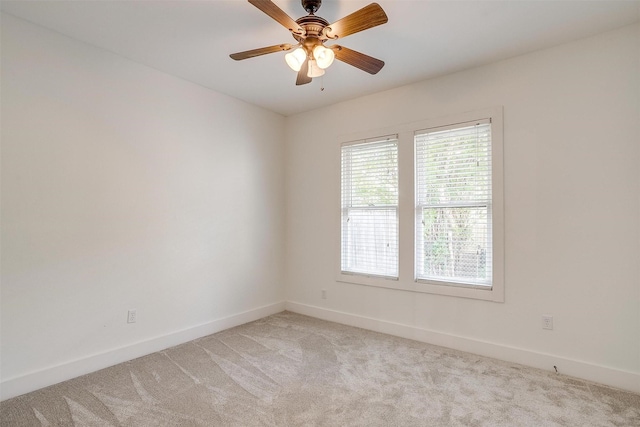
572, 211
123, 187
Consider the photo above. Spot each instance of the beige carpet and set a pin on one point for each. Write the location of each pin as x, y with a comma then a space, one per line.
293, 370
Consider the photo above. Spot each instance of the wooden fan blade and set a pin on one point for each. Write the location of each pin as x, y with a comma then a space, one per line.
359, 60
303, 78
262, 51
365, 18
270, 8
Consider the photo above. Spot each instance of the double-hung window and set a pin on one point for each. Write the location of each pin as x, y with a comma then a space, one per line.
453, 241
370, 207
448, 239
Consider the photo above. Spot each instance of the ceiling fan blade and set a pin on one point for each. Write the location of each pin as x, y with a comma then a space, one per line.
303, 78
262, 51
270, 8
362, 19
359, 60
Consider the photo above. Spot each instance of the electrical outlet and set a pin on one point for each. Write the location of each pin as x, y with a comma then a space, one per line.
324, 294
132, 316
547, 322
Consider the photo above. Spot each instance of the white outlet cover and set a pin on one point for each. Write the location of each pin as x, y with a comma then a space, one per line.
547, 322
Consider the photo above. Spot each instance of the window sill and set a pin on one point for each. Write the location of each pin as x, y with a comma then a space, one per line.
474, 292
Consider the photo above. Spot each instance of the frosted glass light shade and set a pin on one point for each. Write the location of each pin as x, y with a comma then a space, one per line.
296, 58
324, 57
314, 70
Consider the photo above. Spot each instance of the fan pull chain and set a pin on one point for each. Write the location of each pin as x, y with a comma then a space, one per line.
322, 83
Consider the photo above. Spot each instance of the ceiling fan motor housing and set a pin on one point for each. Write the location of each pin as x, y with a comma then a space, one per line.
313, 35
312, 25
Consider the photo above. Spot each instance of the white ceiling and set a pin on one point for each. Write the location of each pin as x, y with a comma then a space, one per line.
423, 39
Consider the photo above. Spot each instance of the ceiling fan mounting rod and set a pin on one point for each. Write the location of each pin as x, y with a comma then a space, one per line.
311, 6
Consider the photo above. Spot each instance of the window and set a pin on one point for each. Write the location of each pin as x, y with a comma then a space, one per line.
423, 210
453, 239
369, 243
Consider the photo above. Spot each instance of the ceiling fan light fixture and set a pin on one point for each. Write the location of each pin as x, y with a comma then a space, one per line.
296, 58
324, 57
314, 70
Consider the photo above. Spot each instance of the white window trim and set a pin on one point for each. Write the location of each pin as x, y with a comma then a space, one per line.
406, 280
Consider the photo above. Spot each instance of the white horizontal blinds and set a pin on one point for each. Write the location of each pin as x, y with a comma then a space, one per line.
453, 210
370, 207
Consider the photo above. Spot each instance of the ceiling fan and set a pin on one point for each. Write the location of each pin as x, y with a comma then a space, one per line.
310, 57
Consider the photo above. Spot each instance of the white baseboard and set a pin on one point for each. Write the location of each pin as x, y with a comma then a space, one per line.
45, 377
600, 374
574, 368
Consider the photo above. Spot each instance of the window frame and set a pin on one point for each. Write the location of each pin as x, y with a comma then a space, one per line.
406, 280
380, 140
478, 203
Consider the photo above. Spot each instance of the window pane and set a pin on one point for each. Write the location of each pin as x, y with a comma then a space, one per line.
455, 245
372, 174
370, 242
454, 166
